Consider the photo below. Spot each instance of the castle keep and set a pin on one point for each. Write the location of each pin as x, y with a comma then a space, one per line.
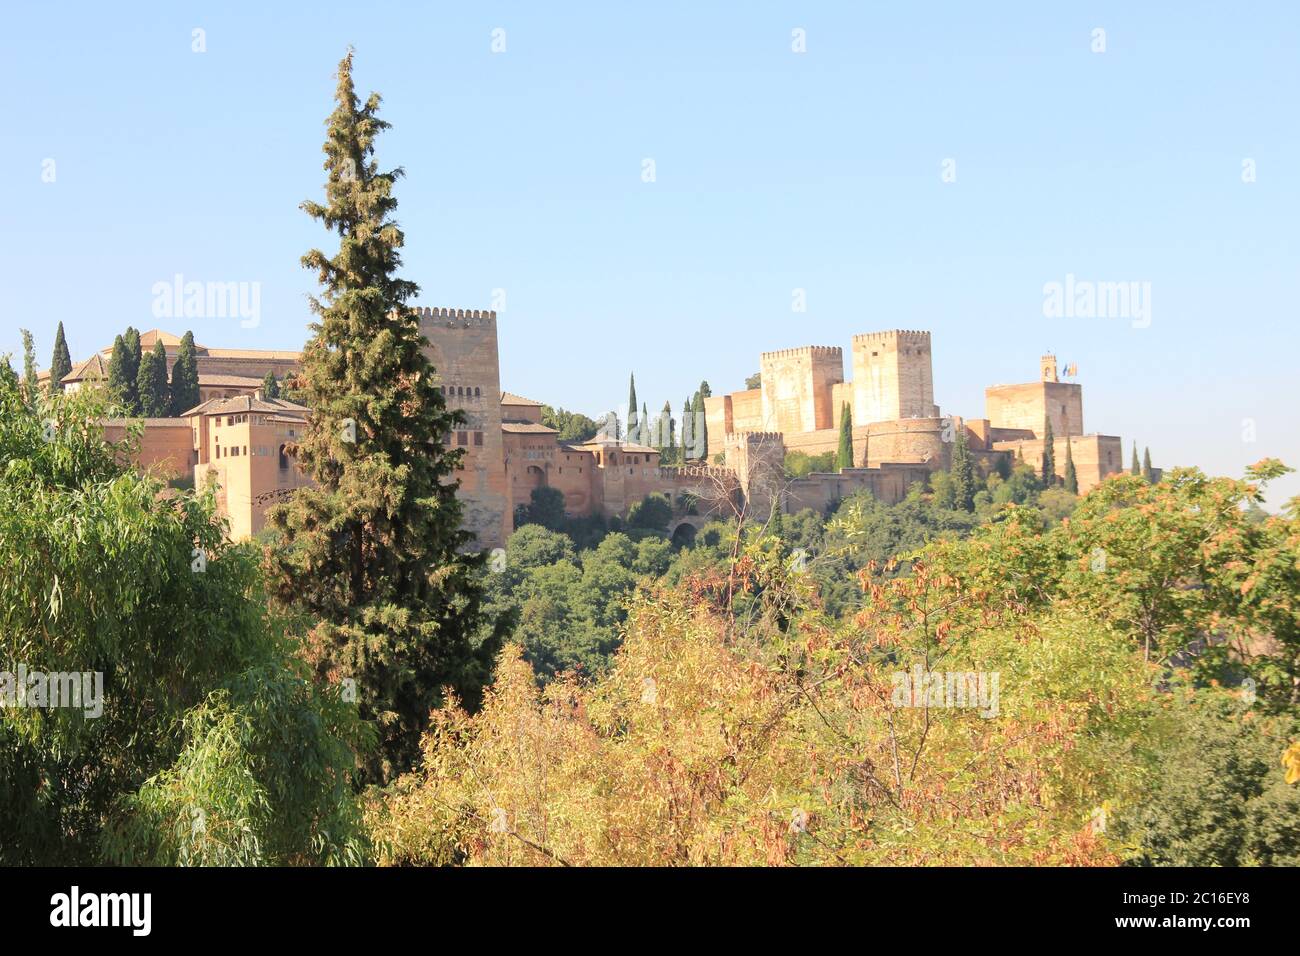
235, 440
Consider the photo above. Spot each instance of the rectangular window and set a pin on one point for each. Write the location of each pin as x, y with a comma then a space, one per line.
462, 438
478, 438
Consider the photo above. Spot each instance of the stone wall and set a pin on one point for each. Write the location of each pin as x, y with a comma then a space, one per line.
1095, 456
166, 446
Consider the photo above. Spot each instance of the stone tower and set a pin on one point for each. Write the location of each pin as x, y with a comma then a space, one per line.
892, 377
463, 350
796, 387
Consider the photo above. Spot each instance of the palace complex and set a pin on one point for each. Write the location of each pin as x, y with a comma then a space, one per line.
235, 439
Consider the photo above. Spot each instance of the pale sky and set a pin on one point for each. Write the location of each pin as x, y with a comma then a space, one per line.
918, 166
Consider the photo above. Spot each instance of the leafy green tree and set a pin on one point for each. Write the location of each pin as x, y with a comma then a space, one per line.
151, 383
653, 512
1071, 475
799, 464
844, 456
572, 426
374, 552
754, 381
1049, 454
545, 507
1218, 796
185, 377
60, 361
270, 386
198, 739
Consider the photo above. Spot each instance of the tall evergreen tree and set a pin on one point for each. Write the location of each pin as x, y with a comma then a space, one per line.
1049, 453
701, 431
270, 386
134, 355
688, 430
1135, 468
60, 362
1071, 475
844, 457
646, 434
185, 377
668, 435
122, 377
29, 364
963, 472
633, 429
1147, 472
375, 552
151, 383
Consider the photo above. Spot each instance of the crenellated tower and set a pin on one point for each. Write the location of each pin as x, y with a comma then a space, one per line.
893, 377
463, 350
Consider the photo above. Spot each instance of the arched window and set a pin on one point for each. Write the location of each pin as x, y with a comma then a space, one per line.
476, 392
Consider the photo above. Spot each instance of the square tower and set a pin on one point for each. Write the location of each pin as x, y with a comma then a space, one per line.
1029, 406
796, 388
463, 350
892, 377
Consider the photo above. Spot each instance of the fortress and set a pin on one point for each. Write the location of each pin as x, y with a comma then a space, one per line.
235, 439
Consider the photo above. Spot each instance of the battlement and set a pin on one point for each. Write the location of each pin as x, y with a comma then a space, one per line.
906, 336
816, 351
452, 316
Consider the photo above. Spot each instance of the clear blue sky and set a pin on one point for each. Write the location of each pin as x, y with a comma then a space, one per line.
775, 171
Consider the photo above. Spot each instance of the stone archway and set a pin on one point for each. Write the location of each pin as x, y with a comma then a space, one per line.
682, 531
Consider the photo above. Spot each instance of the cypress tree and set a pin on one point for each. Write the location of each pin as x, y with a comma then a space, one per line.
1147, 471
1135, 468
270, 386
60, 362
633, 431
702, 432
1049, 454
688, 430
1071, 475
121, 377
963, 472
132, 372
375, 552
151, 383
185, 377
844, 456
646, 436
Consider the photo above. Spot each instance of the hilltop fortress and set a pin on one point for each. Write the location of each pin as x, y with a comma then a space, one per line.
235, 439
897, 428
